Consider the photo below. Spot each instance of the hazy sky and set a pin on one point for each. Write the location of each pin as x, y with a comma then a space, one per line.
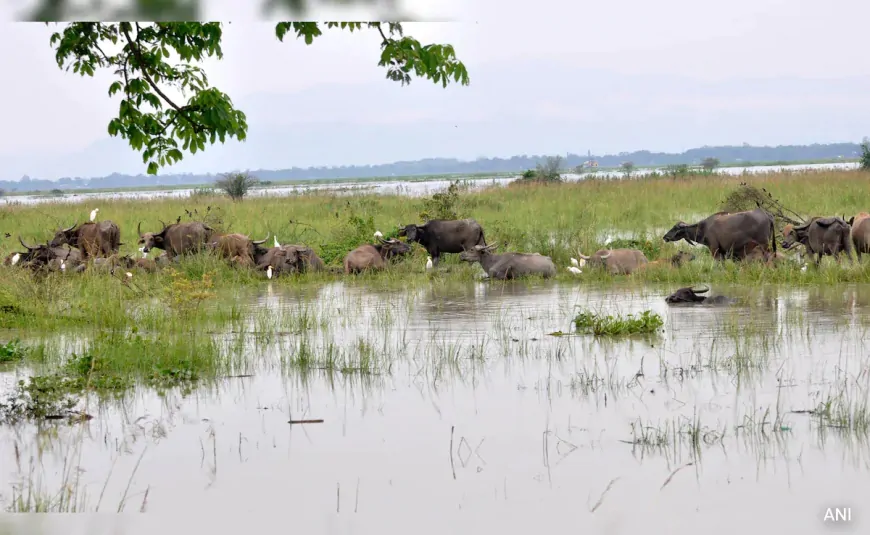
607, 77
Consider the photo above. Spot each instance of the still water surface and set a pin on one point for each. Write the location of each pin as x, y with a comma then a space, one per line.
474, 418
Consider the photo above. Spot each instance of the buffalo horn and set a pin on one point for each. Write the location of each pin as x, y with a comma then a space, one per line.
29, 248
607, 255
70, 228
139, 228
705, 290
261, 242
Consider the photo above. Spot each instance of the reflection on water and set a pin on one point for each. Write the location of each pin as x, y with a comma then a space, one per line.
473, 406
413, 189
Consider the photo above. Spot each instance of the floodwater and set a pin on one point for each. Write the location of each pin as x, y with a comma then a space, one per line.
467, 416
414, 189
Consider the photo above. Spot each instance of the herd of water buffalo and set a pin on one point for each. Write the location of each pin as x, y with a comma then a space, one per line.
739, 236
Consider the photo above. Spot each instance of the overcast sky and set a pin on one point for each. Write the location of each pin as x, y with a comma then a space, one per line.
607, 77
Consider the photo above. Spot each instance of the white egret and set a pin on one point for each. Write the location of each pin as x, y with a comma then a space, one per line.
378, 234
428, 263
269, 272
608, 241
575, 270
63, 265
129, 275
575, 263
16, 258
275, 238
94, 213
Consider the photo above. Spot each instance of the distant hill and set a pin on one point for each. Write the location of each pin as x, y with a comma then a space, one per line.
439, 166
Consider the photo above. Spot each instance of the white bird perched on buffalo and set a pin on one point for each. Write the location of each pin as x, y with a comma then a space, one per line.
94, 213
378, 234
275, 238
428, 263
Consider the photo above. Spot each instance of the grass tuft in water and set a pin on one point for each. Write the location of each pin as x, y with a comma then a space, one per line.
588, 322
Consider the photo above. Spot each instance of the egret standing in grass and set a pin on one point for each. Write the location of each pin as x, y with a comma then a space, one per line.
63, 265
269, 272
575, 263
94, 213
16, 258
428, 263
575, 270
275, 238
378, 234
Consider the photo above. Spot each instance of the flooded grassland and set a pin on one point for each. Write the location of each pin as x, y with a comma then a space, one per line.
424, 396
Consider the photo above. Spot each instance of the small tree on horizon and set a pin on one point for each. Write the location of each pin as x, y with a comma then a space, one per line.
709, 164
865, 155
627, 168
236, 185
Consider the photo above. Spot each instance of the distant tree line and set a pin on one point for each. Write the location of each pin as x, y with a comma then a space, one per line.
702, 156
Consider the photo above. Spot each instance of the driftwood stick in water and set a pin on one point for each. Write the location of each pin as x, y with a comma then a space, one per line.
319, 421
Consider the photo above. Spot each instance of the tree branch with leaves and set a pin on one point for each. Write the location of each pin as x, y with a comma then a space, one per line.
141, 57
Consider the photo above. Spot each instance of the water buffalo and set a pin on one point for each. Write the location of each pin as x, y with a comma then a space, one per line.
176, 239
860, 224
114, 262
445, 236
727, 234
617, 261
92, 239
690, 296
239, 248
675, 261
44, 257
509, 265
820, 236
369, 256
290, 259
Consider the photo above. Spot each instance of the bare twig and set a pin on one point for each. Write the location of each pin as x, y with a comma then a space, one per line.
601, 498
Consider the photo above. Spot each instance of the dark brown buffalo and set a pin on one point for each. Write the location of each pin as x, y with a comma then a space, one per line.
369, 256
821, 236
725, 234
43, 257
290, 259
445, 236
690, 296
177, 239
237, 248
101, 239
860, 224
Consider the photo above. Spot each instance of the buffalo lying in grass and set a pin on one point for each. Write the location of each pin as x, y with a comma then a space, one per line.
371, 257
617, 261
509, 265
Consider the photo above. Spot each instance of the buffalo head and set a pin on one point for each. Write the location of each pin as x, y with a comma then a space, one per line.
680, 231
410, 231
477, 252
63, 236
393, 247
150, 240
687, 295
793, 235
